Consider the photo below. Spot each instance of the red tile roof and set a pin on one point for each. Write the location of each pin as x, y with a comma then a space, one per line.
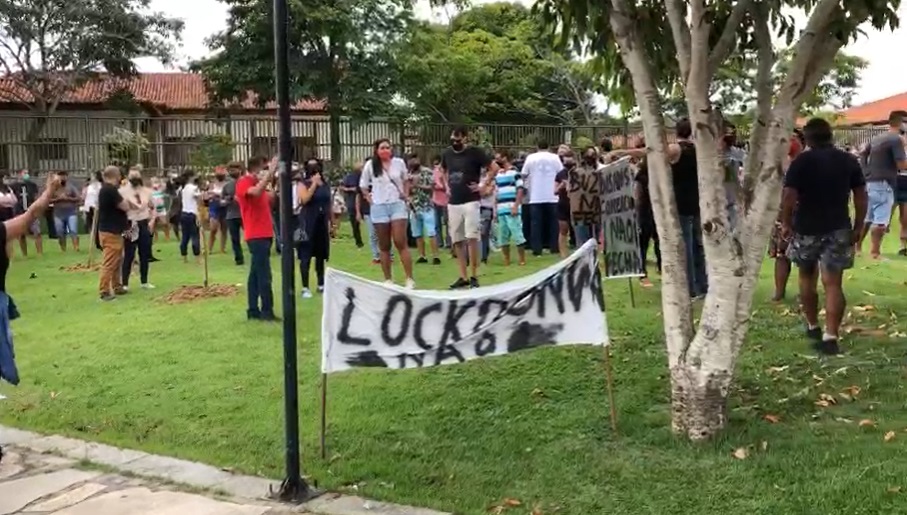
873, 112
168, 91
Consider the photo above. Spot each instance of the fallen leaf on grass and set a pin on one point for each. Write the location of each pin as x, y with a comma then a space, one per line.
536, 511
846, 397
894, 489
897, 334
864, 309
777, 370
537, 393
889, 436
869, 293
867, 423
772, 419
852, 390
741, 453
825, 400
53, 395
822, 312
844, 420
764, 445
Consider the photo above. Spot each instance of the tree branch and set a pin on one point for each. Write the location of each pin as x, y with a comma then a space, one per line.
728, 39
681, 31
765, 56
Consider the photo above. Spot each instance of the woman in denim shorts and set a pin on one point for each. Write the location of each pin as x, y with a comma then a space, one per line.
384, 184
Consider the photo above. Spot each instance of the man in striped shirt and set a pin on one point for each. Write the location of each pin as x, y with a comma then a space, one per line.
508, 198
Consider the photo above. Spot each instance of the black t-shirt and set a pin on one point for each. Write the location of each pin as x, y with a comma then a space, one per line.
563, 200
4, 260
27, 193
644, 206
464, 168
685, 177
111, 218
823, 178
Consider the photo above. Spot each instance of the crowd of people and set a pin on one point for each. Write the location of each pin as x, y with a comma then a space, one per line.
474, 202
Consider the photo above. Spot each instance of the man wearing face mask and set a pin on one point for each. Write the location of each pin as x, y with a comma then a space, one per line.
422, 221
232, 216
461, 167
65, 209
141, 216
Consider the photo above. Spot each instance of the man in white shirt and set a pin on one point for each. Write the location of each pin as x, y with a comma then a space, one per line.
540, 173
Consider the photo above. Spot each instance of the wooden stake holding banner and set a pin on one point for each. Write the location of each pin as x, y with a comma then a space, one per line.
324, 408
632, 296
204, 242
609, 375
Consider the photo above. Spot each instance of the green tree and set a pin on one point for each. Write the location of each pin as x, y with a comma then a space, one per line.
653, 46
733, 87
49, 48
212, 150
340, 52
501, 65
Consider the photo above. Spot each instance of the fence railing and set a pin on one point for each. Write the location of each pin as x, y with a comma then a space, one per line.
88, 141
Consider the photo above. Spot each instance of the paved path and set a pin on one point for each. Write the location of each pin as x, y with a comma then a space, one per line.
51, 475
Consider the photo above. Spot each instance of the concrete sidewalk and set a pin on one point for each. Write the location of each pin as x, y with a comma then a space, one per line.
44, 475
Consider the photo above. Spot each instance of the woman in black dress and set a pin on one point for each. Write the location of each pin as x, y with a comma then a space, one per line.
315, 224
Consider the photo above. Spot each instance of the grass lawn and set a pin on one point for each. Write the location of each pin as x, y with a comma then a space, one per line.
198, 381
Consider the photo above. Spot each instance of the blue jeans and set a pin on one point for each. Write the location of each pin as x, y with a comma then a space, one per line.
67, 225
442, 229
234, 226
259, 287
543, 229
585, 232
697, 279
486, 217
189, 230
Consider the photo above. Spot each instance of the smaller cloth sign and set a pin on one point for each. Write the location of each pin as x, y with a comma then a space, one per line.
622, 253
368, 324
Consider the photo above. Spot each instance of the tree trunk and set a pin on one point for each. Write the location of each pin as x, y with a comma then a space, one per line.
32, 139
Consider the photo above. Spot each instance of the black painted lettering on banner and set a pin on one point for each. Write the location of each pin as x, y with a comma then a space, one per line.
578, 278
616, 180
625, 262
451, 324
555, 285
523, 303
420, 320
485, 309
595, 285
527, 336
346, 319
417, 359
367, 358
392, 303
445, 352
486, 344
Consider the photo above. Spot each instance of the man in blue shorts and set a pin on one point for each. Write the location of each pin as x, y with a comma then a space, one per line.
881, 160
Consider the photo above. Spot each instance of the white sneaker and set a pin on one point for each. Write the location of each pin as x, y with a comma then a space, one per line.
147, 286
125, 288
321, 289
410, 284
388, 282
306, 293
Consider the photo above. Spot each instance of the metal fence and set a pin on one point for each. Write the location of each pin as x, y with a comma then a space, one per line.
88, 141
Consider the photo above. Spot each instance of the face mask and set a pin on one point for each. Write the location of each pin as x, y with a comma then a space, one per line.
569, 163
384, 154
456, 144
135, 182
63, 182
26, 177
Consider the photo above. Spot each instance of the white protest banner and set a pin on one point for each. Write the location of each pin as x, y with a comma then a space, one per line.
368, 324
622, 253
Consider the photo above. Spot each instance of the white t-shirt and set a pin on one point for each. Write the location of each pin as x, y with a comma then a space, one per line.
189, 195
540, 170
388, 187
91, 196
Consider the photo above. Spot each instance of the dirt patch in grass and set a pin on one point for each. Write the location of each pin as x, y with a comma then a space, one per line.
81, 267
193, 293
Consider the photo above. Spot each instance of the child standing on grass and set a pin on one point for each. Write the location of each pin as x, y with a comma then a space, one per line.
508, 198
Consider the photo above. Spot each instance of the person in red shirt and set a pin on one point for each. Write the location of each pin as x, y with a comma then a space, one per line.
254, 201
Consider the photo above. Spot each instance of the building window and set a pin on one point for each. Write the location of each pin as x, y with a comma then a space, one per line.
53, 149
4, 157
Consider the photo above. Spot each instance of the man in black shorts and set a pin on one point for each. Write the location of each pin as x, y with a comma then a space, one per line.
461, 168
818, 185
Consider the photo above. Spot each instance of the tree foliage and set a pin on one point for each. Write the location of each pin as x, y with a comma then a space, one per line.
48, 48
493, 63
